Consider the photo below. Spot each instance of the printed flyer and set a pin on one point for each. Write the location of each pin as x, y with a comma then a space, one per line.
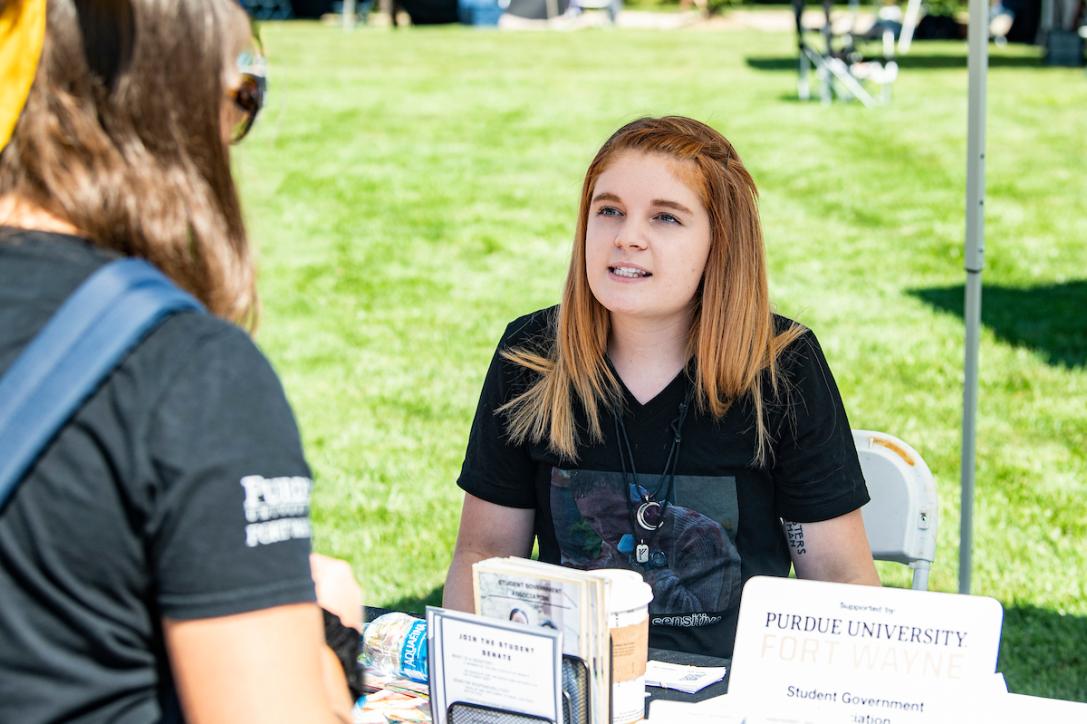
493, 666
861, 654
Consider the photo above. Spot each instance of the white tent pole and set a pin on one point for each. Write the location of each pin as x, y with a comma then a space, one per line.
975, 260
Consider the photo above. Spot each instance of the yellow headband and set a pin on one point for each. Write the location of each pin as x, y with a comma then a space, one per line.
22, 34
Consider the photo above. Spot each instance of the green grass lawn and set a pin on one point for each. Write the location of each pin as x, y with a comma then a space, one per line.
413, 191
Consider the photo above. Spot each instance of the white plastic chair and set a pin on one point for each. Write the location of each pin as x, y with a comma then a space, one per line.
611, 7
901, 517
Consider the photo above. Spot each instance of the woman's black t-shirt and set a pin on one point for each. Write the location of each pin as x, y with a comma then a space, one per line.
722, 523
178, 490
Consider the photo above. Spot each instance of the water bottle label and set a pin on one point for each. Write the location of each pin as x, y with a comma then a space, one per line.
413, 653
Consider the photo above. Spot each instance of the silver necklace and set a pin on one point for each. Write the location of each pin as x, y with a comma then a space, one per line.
648, 517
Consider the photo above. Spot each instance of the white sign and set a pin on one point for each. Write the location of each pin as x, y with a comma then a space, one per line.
838, 652
483, 663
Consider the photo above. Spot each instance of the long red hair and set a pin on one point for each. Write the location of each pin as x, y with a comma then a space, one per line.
732, 336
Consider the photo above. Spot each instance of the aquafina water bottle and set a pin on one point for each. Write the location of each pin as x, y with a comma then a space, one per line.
395, 644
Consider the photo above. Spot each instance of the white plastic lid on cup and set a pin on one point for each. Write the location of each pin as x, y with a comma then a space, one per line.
627, 593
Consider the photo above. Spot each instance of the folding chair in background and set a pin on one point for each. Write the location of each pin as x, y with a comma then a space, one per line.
901, 517
610, 7
840, 64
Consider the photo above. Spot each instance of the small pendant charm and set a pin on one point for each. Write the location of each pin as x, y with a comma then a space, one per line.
650, 515
642, 553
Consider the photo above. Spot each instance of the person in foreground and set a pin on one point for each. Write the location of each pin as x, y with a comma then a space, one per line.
155, 561
662, 418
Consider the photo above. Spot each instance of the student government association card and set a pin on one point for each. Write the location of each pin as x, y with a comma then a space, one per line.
484, 664
834, 652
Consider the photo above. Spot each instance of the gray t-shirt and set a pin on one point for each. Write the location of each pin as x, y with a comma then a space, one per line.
178, 490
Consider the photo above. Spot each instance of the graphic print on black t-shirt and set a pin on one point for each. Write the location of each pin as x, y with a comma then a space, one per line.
693, 566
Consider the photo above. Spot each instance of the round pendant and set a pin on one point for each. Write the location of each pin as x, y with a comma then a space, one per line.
650, 515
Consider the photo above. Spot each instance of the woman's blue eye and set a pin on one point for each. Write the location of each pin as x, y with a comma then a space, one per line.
668, 218
608, 211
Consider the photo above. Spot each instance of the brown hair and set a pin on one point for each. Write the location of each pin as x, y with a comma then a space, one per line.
732, 336
121, 138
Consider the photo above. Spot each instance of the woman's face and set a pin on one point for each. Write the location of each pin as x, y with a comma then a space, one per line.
647, 238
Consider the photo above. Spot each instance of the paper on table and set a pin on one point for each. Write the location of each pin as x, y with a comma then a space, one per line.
711, 711
681, 677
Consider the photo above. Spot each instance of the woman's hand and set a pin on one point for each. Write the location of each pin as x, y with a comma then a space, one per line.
337, 591
339, 594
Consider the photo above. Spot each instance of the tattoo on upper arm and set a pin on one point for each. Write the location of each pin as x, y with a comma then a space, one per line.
794, 534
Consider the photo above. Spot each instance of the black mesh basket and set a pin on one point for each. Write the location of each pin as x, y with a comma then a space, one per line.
461, 713
575, 690
575, 702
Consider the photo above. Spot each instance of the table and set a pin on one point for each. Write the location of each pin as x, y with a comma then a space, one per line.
1012, 707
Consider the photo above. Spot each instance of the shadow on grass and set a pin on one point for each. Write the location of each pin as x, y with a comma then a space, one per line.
1048, 318
905, 62
417, 604
1044, 653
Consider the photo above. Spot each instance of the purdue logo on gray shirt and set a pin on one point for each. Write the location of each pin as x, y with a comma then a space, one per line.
277, 509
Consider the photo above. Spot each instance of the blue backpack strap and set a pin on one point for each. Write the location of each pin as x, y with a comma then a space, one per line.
72, 355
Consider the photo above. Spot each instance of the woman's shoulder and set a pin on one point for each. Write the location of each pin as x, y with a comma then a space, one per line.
802, 367
799, 343
534, 331
198, 351
786, 325
203, 330
525, 345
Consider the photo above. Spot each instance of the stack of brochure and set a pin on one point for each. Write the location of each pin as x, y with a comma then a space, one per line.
681, 677
566, 599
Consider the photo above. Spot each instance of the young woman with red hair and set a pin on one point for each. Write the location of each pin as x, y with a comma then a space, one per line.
662, 418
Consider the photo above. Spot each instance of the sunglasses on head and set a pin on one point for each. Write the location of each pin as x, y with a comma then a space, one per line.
249, 94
